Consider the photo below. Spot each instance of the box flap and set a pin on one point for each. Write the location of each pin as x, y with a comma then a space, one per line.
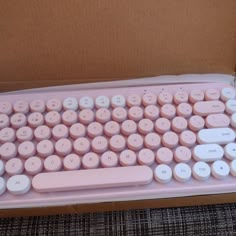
56, 42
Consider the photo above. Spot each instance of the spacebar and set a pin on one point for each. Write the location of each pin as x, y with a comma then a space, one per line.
92, 179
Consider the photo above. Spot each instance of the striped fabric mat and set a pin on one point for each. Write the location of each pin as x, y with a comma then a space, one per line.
202, 220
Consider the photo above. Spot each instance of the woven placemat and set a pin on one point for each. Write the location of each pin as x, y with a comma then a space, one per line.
201, 220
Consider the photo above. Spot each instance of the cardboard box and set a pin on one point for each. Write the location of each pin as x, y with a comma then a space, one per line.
44, 43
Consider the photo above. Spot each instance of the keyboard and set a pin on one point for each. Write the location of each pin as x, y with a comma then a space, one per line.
77, 146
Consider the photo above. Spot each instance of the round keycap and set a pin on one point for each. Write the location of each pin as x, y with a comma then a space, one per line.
187, 138
118, 101
135, 113
24, 134
109, 159
26, 149
5, 107
86, 102
145, 126
45, 148
228, 93
128, 127
21, 107
14, 166
165, 98
2, 186
2, 168
63, 147
149, 99
18, 184
180, 97
196, 123
33, 165
230, 151
233, 167
90, 160
60, 131
151, 112
86, 116
4, 121
54, 104
8, 150
163, 173
152, 141
42, 132
182, 154
111, 128
135, 142
182, 172
35, 119
102, 102
168, 111
94, 129
18, 120
119, 114
179, 124
201, 171
230, 106
162, 125
7, 135
233, 120
69, 117
81, 145
164, 155
220, 169
184, 110
103, 115
117, 143
212, 94
196, 96
170, 139
52, 163
70, 103
99, 144
37, 105
77, 130
127, 158
217, 121
52, 118
146, 157
72, 162
134, 100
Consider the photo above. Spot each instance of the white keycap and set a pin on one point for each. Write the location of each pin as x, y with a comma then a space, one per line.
102, 102
86, 103
220, 169
216, 135
118, 101
2, 169
201, 171
230, 151
230, 106
2, 186
208, 152
163, 173
233, 167
70, 103
18, 184
182, 172
227, 93
233, 120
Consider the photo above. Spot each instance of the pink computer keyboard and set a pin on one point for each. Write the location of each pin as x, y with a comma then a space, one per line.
114, 144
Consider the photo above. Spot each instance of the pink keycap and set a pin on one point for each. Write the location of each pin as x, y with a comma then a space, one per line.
212, 94
127, 158
52, 118
152, 141
135, 142
90, 160
99, 144
168, 111
111, 128
217, 121
5, 107
135, 113
165, 98
149, 99
38, 105
69, 117
128, 127
119, 114
86, 116
45, 148
188, 138
103, 115
164, 156
8, 151
72, 162
21, 107
7, 135
60, 131
182, 154
117, 143
196, 96
145, 126
196, 123
54, 104
63, 147
151, 112
77, 130
208, 107
33, 165
134, 100
94, 129
42, 132
162, 125
170, 139
179, 124
24, 134
14, 166
35, 119
184, 110
52, 163
4, 121
81, 145
146, 157
109, 159
18, 120
180, 97
26, 149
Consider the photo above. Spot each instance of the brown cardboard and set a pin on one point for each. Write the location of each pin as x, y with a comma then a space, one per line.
55, 42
